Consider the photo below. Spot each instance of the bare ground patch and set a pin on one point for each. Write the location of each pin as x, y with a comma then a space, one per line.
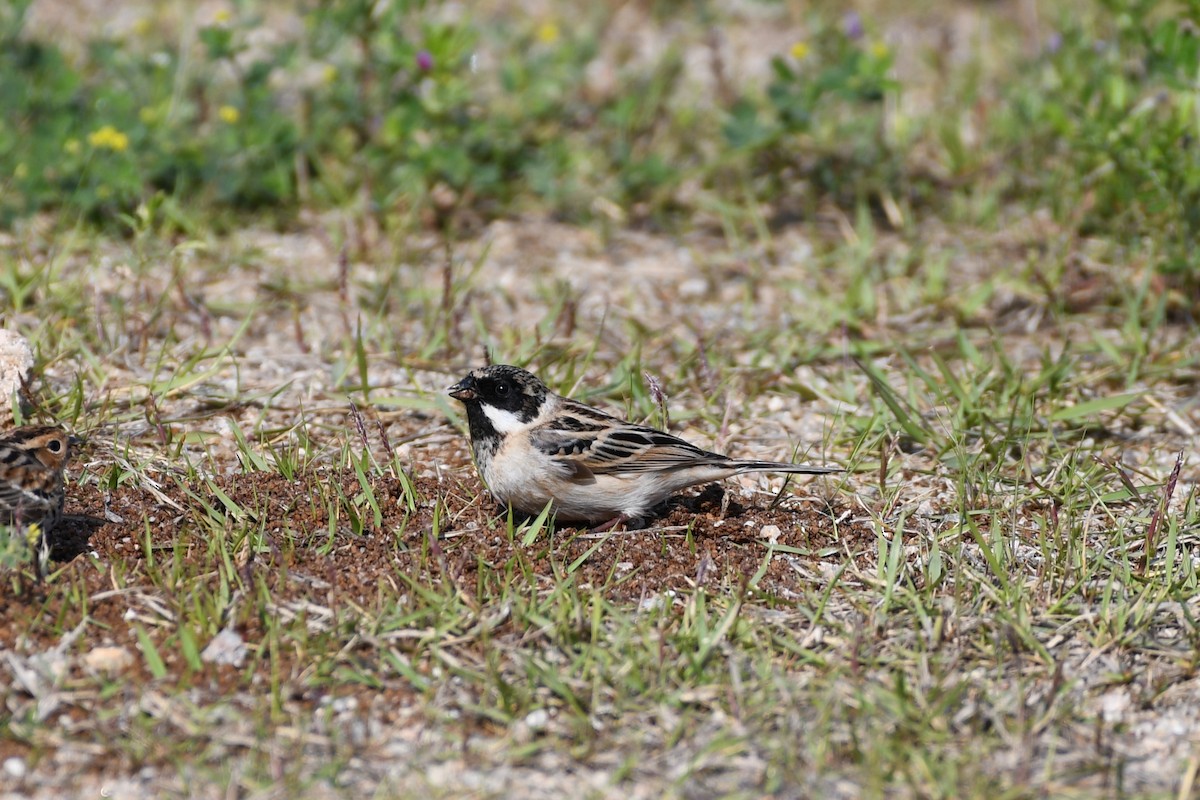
67, 717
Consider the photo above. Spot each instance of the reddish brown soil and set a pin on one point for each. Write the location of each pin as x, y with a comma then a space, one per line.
298, 560
663, 556
629, 564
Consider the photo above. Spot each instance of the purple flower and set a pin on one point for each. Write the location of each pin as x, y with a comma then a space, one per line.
852, 25
424, 61
1054, 43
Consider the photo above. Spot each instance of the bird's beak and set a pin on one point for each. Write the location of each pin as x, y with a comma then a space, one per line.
74, 441
463, 390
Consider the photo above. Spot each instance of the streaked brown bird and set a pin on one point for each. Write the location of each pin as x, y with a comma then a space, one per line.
32, 459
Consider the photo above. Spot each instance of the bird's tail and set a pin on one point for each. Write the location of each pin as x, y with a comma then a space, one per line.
779, 466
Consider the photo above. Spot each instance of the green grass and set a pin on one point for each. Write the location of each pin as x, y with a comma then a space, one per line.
964, 276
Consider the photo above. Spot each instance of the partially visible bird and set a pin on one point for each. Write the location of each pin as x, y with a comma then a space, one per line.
533, 447
32, 459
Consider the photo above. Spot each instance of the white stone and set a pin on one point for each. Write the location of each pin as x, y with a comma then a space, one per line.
771, 533
226, 647
16, 359
1114, 705
14, 767
108, 660
538, 719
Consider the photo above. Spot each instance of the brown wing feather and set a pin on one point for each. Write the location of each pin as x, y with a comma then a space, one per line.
20, 506
586, 437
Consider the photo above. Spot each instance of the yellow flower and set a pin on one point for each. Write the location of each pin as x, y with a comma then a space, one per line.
222, 16
800, 51
141, 26
71, 146
110, 138
329, 74
229, 114
548, 32
879, 48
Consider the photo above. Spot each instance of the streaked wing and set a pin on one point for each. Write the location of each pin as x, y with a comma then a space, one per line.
591, 440
27, 488
18, 503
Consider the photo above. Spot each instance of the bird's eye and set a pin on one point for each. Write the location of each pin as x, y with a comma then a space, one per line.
502, 388
55, 446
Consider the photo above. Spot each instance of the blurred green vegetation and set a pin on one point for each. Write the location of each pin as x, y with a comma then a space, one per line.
414, 119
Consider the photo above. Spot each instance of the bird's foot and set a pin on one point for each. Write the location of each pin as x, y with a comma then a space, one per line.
619, 519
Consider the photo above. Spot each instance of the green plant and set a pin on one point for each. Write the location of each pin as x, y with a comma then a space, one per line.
823, 114
1104, 121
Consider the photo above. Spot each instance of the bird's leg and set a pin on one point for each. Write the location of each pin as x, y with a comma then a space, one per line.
619, 519
41, 556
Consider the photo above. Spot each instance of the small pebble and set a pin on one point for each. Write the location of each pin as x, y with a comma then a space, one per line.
108, 660
226, 647
538, 719
342, 705
14, 767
